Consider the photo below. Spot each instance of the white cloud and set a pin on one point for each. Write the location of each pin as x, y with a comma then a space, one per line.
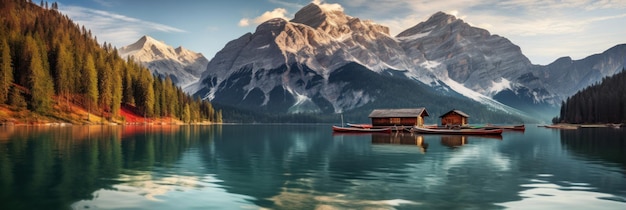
282, 12
244, 22
328, 7
268, 15
276, 13
113, 28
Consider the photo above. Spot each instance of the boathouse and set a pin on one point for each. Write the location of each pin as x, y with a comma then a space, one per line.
398, 117
454, 118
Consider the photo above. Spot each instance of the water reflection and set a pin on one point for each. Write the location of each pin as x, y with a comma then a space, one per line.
451, 141
401, 138
606, 144
53, 167
48, 168
299, 167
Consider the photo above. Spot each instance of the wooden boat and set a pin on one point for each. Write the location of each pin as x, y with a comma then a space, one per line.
360, 125
361, 130
478, 131
506, 127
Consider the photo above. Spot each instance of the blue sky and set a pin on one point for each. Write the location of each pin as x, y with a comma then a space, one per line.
544, 29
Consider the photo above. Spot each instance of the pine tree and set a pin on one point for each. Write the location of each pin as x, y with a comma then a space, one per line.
105, 83
16, 99
6, 70
218, 116
90, 82
157, 87
63, 72
186, 114
117, 89
144, 93
39, 81
150, 100
127, 86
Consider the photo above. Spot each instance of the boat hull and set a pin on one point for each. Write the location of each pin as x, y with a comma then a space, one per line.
504, 127
361, 130
457, 131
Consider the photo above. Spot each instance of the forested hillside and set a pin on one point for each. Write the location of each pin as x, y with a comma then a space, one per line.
604, 102
50, 68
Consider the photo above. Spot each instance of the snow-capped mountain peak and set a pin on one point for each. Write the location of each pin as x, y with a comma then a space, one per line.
334, 21
181, 65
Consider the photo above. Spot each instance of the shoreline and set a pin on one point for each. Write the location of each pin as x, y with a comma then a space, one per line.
583, 125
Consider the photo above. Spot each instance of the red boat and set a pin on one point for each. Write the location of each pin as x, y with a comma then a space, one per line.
480, 131
361, 130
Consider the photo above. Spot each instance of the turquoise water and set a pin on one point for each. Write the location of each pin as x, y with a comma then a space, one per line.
308, 167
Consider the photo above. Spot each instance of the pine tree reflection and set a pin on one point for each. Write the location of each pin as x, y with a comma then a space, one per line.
607, 144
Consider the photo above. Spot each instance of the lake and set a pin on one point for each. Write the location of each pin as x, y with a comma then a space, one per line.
308, 167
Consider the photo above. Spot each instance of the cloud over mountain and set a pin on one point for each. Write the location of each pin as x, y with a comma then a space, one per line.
115, 28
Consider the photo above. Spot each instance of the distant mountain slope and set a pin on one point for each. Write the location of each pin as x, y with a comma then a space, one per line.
183, 66
566, 76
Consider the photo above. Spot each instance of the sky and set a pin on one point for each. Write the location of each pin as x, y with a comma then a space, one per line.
544, 29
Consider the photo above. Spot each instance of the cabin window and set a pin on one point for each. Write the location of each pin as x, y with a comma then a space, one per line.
394, 120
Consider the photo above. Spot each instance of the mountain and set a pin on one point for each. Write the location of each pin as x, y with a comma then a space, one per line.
183, 66
324, 61
495, 67
488, 64
468, 55
566, 76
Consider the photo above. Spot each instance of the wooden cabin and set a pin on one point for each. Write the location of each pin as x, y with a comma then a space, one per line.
454, 118
398, 117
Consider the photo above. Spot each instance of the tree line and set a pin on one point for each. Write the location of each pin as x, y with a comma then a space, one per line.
603, 102
48, 63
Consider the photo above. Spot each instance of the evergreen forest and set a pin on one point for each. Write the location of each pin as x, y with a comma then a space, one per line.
604, 102
50, 68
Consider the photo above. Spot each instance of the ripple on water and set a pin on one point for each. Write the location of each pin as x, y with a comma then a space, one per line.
543, 193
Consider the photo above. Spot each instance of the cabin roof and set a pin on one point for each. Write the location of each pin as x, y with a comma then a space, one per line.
378, 113
459, 112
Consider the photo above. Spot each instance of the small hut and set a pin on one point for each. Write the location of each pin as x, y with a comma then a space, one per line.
398, 117
454, 118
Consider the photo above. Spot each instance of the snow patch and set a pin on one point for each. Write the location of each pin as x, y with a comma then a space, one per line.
192, 87
430, 65
499, 86
414, 36
263, 47
480, 98
303, 103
